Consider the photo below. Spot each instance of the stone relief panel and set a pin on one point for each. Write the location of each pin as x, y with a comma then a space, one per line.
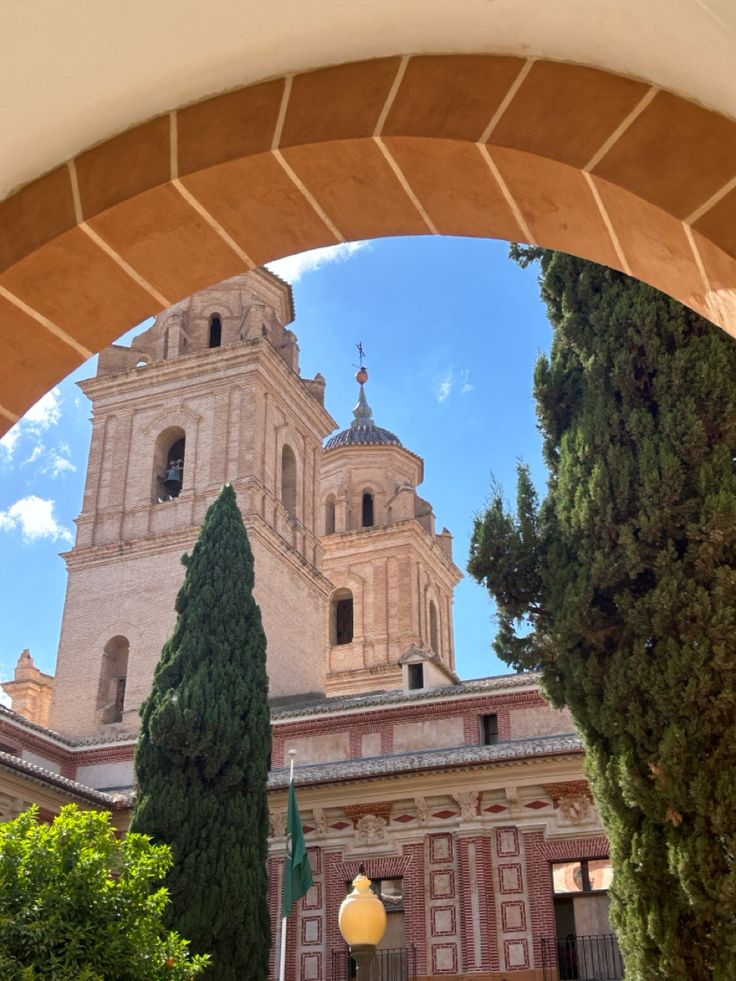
440, 848
443, 918
444, 958
311, 927
513, 922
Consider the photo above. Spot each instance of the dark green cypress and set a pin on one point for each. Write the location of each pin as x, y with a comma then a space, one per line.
626, 576
202, 757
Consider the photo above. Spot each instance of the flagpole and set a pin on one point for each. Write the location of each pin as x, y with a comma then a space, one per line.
282, 966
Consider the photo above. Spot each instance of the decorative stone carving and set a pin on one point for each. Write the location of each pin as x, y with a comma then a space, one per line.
320, 820
370, 829
422, 810
575, 809
512, 796
277, 824
381, 808
467, 801
572, 799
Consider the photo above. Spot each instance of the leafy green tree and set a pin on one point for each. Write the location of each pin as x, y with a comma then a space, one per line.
202, 758
78, 904
621, 590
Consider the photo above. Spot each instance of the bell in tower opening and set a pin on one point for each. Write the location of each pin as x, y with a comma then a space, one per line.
174, 474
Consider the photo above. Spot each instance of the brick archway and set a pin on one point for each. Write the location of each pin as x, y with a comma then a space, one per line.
571, 157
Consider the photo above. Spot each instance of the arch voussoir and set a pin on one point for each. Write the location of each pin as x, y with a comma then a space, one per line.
564, 155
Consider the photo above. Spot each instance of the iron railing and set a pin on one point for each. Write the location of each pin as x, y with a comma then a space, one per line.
594, 958
394, 964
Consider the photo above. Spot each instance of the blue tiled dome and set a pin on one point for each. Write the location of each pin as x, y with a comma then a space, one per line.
363, 431
363, 436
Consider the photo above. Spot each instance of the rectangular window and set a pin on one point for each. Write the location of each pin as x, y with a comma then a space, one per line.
390, 892
489, 729
586, 875
416, 676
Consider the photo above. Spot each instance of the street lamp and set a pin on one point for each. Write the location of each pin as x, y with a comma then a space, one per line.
362, 922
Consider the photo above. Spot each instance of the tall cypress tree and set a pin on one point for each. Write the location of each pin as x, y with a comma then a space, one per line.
626, 578
202, 758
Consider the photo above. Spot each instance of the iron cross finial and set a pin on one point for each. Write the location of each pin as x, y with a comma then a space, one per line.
361, 353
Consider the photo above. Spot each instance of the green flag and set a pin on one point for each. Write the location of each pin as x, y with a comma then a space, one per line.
297, 870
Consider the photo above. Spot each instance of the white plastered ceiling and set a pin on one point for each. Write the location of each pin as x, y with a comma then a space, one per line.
75, 72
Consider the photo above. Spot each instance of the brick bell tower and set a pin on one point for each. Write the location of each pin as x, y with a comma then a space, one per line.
210, 394
390, 616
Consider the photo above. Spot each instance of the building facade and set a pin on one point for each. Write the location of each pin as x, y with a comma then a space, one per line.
465, 800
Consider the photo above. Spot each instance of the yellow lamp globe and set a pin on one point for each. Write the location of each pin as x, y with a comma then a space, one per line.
362, 918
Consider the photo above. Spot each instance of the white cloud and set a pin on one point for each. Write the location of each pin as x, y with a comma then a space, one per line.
46, 412
450, 381
36, 452
34, 516
8, 442
295, 266
40, 417
445, 386
53, 462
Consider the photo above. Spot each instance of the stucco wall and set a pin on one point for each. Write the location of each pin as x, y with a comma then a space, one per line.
542, 721
429, 734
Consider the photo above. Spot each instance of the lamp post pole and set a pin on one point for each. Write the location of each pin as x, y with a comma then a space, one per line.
362, 922
364, 957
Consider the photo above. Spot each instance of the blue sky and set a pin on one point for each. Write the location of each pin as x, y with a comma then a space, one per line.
451, 329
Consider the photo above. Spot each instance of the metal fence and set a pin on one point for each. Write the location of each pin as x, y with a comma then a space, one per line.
395, 964
594, 958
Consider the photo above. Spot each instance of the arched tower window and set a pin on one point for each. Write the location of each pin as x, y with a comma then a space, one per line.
113, 676
215, 338
174, 475
168, 464
330, 515
288, 481
433, 628
367, 510
341, 617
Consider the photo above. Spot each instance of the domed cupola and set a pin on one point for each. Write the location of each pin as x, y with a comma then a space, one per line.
363, 431
393, 576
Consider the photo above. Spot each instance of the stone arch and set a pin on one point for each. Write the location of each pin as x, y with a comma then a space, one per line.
367, 507
214, 338
342, 617
288, 480
169, 454
565, 155
433, 620
113, 679
330, 515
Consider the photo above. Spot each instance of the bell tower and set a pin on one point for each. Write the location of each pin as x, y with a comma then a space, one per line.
210, 394
393, 576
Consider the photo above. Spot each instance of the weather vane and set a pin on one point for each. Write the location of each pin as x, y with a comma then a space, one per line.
361, 355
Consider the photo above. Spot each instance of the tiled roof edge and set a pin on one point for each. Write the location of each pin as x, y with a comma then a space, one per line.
432, 759
42, 775
345, 702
